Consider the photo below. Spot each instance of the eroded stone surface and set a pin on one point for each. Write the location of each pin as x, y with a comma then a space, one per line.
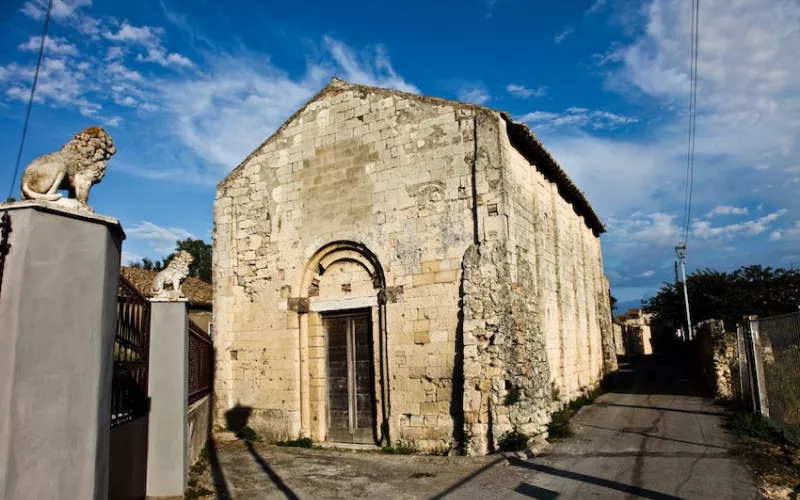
480, 277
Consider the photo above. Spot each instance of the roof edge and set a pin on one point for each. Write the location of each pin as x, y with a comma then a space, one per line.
523, 139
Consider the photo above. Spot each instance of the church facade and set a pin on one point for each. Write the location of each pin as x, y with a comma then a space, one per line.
390, 267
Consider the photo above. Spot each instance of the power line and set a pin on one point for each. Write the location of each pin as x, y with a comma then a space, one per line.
30, 100
692, 119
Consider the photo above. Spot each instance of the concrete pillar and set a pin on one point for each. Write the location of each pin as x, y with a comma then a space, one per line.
57, 326
167, 441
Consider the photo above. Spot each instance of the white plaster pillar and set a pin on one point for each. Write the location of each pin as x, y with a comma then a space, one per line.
58, 303
167, 441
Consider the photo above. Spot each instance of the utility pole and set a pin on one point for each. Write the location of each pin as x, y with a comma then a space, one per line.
680, 249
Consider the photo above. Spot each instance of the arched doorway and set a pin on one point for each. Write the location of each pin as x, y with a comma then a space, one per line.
343, 396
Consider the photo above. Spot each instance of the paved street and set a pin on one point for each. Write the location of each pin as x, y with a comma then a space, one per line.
654, 437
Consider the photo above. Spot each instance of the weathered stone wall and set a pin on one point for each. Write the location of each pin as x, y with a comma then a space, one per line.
569, 289
619, 340
713, 350
390, 172
474, 269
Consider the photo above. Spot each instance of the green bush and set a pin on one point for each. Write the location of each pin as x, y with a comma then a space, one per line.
744, 423
559, 428
303, 442
513, 441
247, 433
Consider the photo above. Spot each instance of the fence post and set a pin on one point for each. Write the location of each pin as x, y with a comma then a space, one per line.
167, 464
759, 383
57, 327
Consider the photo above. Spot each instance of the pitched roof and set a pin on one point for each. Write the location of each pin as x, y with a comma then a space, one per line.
520, 135
197, 291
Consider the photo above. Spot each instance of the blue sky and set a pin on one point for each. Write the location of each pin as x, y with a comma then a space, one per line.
188, 89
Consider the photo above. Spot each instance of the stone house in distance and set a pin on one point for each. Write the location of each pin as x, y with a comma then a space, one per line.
394, 267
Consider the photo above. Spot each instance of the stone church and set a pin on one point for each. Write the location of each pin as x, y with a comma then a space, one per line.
391, 267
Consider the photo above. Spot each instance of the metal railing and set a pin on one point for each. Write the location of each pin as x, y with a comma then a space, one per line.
201, 352
129, 396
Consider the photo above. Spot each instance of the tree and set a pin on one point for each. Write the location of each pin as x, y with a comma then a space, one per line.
199, 249
763, 291
202, 253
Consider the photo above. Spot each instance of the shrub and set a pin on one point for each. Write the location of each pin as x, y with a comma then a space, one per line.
743, 423
513, 441
559, 428
303, 442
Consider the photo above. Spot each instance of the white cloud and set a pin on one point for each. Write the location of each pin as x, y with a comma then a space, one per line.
161, 239
644, 230
145, 36
149, 39
596, 7
212, 114
727, 210
374, 68
52, 46
158, 56
114, 53
791, 233
129, 258
647, 274
119, 70
475, 93
524, 92
62, 9
563, 35
577, 117
704, 229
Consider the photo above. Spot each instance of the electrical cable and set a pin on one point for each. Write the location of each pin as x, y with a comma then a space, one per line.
30, 100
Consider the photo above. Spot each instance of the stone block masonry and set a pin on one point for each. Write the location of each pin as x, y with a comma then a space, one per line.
435, 218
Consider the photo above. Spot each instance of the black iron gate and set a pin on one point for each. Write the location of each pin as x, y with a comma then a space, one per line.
130, 403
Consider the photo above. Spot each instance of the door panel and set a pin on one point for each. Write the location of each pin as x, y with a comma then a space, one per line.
338, 387
364, 404
351, 401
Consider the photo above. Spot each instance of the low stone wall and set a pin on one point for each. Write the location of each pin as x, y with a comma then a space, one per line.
713, 348
619, 342
199, 419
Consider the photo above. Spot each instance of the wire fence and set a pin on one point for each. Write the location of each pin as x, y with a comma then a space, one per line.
769, 370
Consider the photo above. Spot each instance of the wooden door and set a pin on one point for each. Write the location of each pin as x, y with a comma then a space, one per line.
351, 399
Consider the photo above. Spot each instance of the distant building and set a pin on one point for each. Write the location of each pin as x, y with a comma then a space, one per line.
390, 266
636, 331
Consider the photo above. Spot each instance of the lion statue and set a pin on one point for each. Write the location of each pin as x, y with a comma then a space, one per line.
175, 272
79, 164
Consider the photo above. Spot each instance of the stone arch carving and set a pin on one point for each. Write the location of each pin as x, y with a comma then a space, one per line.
342, 251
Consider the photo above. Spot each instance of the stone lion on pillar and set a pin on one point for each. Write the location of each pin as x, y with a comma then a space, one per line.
79, 165
176, 271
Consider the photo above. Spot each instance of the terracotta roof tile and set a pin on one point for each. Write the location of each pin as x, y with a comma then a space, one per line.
198, 292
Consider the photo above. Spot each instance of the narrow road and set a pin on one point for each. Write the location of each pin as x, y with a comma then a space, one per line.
654, 437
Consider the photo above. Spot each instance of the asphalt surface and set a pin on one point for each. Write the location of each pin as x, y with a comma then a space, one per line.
654, 437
